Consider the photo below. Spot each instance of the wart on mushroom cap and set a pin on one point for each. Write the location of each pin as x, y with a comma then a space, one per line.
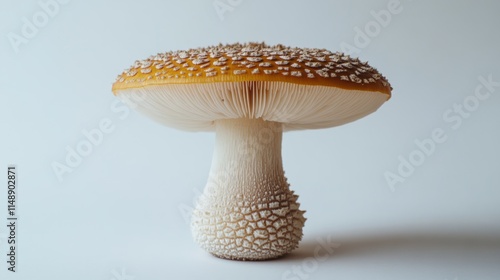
249, 94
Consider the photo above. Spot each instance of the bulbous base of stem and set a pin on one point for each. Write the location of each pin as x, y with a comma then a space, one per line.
249, 229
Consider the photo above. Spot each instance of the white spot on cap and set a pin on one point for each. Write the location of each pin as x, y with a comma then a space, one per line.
239, 72
146, 64
313, 64
355, 78
254, 59
322, 73
215, 55
205, 65
281, 62
131, 72
219, 63
200, 61
146, 70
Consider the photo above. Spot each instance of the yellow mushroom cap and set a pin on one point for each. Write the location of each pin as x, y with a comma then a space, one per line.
191, 89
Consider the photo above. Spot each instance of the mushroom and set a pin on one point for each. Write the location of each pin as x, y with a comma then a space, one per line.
249, 94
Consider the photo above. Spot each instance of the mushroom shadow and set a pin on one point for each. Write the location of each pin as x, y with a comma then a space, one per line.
341, 246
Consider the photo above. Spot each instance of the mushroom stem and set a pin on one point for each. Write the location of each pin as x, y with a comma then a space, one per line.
247, 211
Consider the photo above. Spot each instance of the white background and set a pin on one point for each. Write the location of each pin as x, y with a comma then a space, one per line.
117, 214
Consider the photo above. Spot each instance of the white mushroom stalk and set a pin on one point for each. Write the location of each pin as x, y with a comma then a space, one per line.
247, 211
